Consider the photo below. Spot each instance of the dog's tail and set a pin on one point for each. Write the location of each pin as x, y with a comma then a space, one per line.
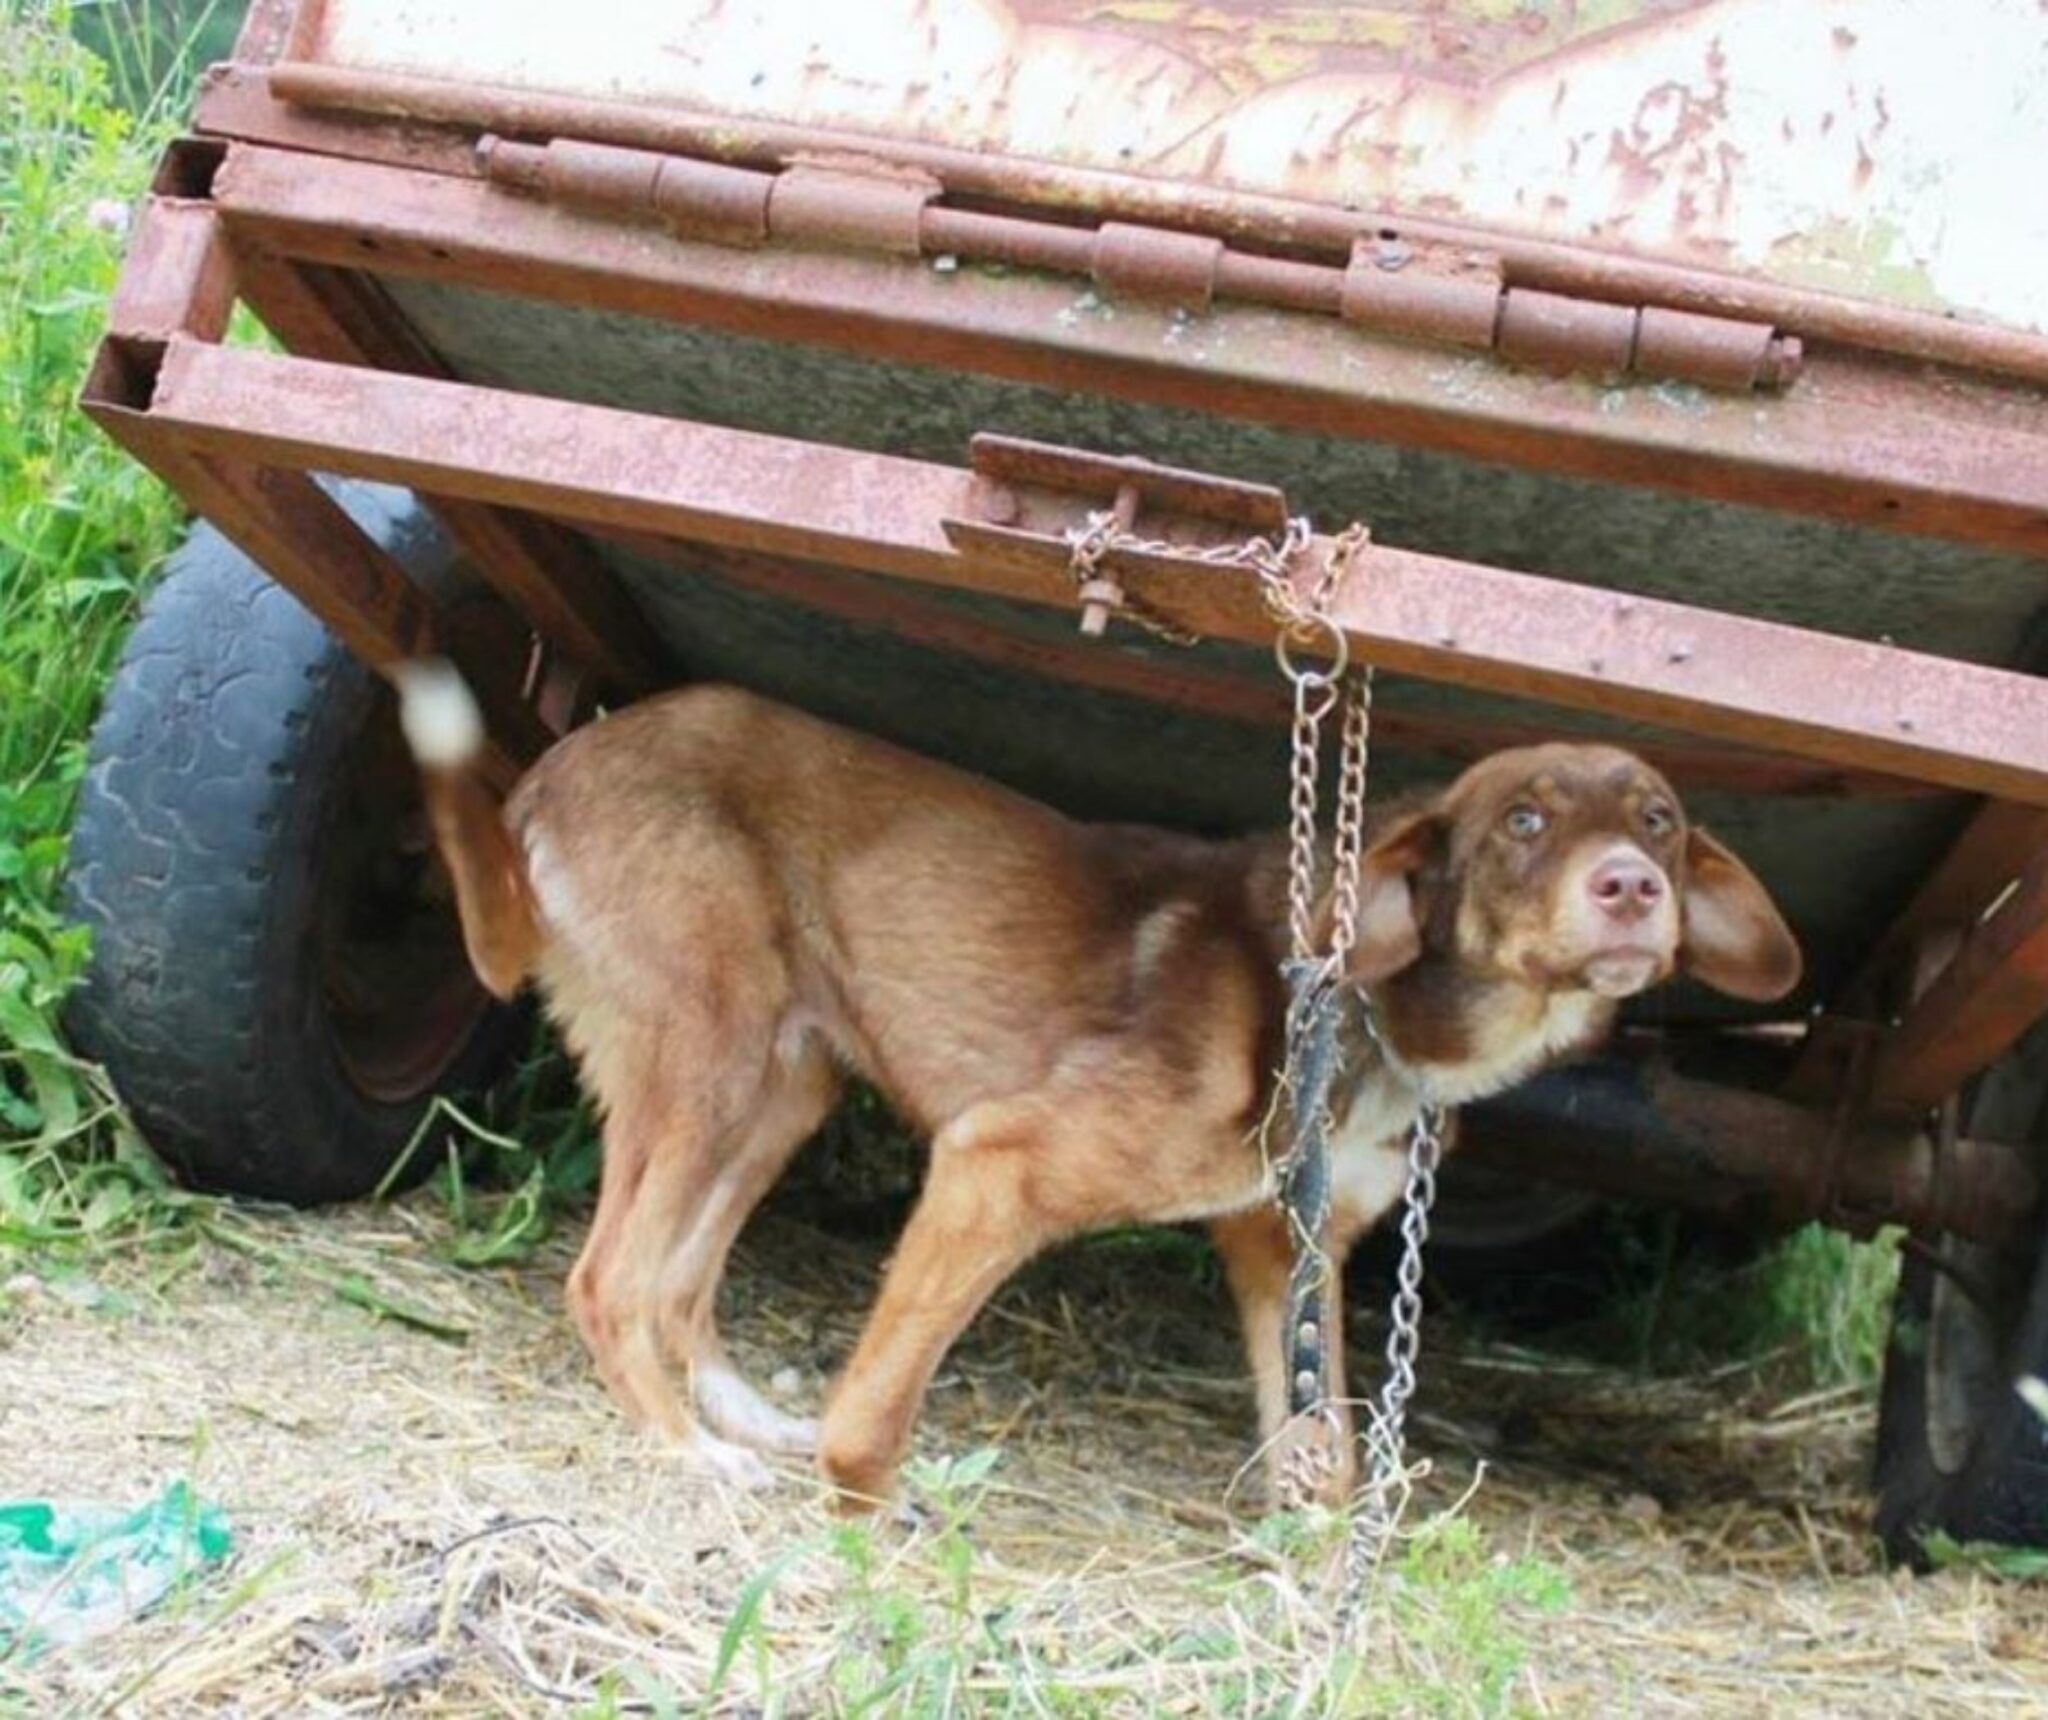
445, 730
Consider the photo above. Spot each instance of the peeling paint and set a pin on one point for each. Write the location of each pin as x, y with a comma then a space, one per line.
1702, 131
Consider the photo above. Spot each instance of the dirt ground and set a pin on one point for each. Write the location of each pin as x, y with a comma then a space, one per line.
458, 1524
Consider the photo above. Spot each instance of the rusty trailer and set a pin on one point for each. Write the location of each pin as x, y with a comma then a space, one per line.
1689, 368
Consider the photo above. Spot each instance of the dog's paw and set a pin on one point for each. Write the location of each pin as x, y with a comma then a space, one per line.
729, 1465
739, 1412
1313, 1462
793, 1436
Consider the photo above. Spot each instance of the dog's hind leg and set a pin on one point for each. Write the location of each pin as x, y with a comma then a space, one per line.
802, 1090
663, 1150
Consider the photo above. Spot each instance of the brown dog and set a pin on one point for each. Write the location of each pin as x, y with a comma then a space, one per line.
728, 905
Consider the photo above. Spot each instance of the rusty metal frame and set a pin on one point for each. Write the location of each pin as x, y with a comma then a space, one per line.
1849, 703
1992, 990
239, 432
183, 276
459, 228
1981, 871
1859, 440
901, 612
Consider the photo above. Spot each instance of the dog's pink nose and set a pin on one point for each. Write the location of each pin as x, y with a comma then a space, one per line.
1626, 887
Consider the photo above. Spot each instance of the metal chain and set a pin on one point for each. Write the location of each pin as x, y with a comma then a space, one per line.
1354, 750
1088, 544
1384, 1494
1303, 624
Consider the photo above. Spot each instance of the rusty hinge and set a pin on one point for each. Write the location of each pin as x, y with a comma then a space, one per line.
832, 201
1435, 293
1458, 297
696, 199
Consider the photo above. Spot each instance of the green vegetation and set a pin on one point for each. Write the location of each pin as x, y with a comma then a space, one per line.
81, 529
1449, 1632
1814, 1305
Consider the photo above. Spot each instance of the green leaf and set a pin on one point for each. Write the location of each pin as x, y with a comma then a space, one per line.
2014, 1564
746, 1613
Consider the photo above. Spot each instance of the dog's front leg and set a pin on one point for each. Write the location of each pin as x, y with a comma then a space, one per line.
1006, 1180
1258, 1255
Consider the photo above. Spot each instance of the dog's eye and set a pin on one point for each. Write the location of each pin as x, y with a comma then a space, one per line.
1659, 819
1525, 822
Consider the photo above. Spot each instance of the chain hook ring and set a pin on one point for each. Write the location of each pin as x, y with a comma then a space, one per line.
1323, 637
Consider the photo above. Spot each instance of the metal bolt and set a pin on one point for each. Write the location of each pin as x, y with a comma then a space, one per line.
1305, 1381
1906, 724
1098, 598
1597, 664
1680, 654
1310, 1334
1447, 640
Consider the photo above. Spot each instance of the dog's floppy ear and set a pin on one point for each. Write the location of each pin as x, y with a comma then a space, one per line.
1732, 936
1389, 922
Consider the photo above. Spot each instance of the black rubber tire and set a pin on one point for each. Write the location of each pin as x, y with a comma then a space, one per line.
218, 785
1958, 1449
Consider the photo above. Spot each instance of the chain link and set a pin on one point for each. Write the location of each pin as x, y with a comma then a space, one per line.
1303, 624
1384, 1494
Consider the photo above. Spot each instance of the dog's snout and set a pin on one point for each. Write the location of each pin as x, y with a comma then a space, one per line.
1626, 886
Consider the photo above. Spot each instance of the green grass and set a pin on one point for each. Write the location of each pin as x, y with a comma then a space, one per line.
1813, 1305
1449, 1630
82, 527
1666, 1295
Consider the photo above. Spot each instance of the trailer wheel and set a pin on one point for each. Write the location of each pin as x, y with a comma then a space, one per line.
1959, 1450
277, 984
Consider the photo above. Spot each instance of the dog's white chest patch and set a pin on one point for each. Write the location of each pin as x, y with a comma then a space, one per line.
1515, 1050
1369, 1147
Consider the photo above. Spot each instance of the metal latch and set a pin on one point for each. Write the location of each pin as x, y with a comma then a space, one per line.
1024, 498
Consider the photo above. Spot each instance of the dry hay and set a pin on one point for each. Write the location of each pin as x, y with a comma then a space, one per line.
440, 1527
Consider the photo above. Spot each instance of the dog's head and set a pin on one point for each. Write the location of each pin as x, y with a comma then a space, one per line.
1568, 867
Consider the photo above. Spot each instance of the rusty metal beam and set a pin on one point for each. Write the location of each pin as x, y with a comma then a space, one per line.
304, 540
178, 277
1872, 707
334, 103
1861, 440
1982, 863
902, 613
1994, 989
181, 277
1633, 1128
548, 576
